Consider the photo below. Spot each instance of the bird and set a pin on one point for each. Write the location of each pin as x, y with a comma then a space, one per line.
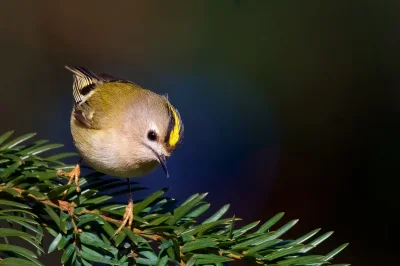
120, 129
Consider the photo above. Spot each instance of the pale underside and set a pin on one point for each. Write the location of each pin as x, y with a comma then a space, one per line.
102, 151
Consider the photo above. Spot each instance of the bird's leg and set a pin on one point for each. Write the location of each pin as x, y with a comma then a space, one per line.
128, 215
73, 176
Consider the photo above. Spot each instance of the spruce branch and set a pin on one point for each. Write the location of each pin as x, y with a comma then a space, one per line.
83, 224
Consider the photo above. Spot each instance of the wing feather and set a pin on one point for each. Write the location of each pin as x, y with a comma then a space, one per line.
84, 86
84, 81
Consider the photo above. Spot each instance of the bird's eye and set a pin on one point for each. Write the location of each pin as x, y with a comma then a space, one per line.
152, 135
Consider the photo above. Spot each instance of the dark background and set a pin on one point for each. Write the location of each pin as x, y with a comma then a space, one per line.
287, 107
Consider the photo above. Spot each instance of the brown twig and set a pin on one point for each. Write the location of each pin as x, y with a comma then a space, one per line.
70, 208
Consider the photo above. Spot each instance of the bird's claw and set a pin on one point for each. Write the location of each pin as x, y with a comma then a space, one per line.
126, 219
73, 177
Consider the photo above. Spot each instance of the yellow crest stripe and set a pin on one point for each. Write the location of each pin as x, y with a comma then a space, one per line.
175, 132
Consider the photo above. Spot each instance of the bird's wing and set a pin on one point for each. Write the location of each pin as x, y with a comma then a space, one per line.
84, 84
84, 81
87, 104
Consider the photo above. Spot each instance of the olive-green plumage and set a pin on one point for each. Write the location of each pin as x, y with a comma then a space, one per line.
119, 128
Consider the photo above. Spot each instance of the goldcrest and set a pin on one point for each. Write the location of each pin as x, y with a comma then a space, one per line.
120, 129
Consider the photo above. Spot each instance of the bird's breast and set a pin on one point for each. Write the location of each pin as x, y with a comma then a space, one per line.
108, 153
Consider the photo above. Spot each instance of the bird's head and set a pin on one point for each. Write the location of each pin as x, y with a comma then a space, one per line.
156, 127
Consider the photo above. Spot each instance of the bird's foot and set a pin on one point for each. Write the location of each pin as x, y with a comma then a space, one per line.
73, 177
127, 218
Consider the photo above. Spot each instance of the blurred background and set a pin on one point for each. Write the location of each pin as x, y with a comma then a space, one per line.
287, 107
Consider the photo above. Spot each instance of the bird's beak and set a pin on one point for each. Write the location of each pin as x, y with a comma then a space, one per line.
163, 162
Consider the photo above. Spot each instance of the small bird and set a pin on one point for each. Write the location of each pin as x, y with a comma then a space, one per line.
120, 129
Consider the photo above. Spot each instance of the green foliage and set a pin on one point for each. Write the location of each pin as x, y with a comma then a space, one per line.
83, 224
